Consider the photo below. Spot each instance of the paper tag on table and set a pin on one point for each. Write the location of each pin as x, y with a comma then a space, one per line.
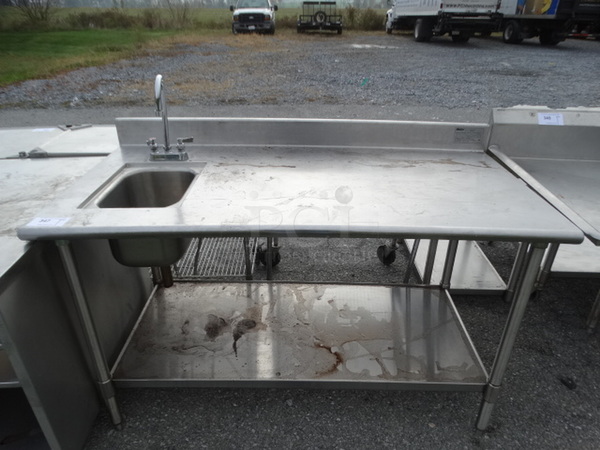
48, 222
555, 119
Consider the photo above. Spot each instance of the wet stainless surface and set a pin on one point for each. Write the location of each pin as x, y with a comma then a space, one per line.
447, 190
250, 333
575, 183
28, 185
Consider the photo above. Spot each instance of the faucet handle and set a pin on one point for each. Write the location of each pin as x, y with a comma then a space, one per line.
181, 142
152, 144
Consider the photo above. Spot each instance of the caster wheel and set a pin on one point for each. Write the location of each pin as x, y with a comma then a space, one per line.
261, 255
386, 254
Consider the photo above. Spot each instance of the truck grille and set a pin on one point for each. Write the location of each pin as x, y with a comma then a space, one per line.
251, 18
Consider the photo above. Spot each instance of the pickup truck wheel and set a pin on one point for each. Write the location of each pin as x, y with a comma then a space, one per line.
423, 30
233, 30
512, 33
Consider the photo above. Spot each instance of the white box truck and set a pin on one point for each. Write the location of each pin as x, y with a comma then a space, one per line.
458, 18
550, 20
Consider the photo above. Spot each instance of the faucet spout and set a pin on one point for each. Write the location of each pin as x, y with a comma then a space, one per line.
158, 87
161, 111
161, 108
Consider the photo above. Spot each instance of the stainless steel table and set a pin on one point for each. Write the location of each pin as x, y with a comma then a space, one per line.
310, 178
556, 153
37, 349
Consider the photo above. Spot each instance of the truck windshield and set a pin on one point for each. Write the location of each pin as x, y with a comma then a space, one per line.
253, 4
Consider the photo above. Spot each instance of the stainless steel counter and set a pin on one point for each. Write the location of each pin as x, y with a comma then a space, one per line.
556, 153
311, 178
557, 156
40, 352
312, 191
575, 184
30, 184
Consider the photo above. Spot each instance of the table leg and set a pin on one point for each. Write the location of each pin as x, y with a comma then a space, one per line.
431, 251
516, 272
247, 260
592, 320
166, 276
449, 264
100, 364
411, 262
269, 258
509, 335
547, 266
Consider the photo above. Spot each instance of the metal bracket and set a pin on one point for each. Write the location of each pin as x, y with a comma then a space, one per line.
491, 393
107, 389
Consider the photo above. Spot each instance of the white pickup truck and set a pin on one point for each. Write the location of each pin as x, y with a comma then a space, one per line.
253, 16
458, 18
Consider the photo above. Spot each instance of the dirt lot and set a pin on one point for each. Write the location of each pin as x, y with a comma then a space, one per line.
355, 75
551, 395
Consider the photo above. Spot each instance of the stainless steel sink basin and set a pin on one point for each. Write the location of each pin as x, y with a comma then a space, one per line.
146, 185
148, 251
148, 189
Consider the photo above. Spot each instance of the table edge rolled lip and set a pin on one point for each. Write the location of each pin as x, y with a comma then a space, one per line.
421, 386
30, 233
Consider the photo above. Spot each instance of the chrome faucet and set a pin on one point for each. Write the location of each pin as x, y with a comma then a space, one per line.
161, 111
161, 108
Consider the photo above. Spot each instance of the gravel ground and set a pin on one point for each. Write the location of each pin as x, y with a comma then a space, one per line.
349, 76
551, 394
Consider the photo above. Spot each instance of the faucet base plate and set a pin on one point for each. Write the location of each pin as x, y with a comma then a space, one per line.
169, 156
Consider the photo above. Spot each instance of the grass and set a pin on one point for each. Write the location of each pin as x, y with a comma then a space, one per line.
68, 42
30, 55
154, 18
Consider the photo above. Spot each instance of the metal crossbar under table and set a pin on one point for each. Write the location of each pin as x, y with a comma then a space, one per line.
254, 334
